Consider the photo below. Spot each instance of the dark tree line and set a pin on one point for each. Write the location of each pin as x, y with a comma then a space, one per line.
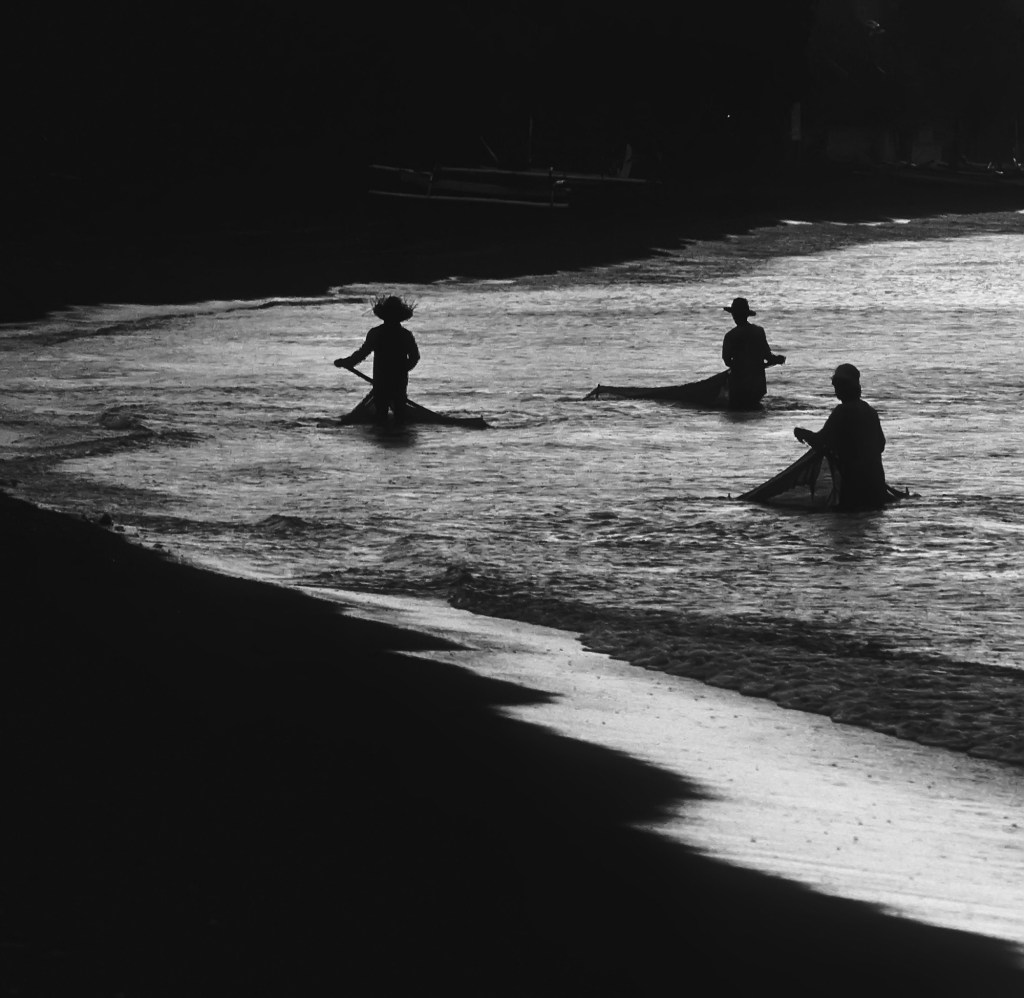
121, 95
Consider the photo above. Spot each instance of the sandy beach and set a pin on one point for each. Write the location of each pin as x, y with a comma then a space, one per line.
217, 786
927, 833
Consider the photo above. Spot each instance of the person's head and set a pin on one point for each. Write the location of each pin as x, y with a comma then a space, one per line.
391, 308
740, 309
846, 381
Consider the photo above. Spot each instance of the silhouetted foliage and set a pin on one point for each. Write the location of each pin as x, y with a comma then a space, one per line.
235, 101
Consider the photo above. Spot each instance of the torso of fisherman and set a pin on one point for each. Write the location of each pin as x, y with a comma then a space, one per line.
394, 351
745, 350
854, 434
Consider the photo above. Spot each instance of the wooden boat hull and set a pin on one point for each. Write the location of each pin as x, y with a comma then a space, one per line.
528, 188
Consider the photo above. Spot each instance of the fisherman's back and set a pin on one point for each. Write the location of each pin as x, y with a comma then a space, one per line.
853, 433
394, 349
745, 350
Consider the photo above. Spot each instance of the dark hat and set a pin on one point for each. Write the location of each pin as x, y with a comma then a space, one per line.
392, 308
847, 373
739, 306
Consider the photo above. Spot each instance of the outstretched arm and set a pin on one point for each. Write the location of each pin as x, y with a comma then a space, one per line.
354, 358
770, 359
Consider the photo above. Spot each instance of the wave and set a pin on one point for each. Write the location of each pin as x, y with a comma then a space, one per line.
307, 302
853, 679
86, 322
285, 525
122, 417
128, 432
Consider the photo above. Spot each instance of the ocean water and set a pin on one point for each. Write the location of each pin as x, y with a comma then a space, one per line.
201, 428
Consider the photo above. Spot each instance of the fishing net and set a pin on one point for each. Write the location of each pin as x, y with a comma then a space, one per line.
709, 392
812, 482
366, 412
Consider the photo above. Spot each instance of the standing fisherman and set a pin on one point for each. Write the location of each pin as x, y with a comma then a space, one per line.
746, 352
395, 354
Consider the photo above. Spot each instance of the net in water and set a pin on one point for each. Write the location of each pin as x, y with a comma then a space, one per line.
812, 482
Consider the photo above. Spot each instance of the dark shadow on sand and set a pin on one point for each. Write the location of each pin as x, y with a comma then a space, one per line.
218, 787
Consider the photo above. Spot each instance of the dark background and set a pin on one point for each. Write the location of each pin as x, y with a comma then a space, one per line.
144, 130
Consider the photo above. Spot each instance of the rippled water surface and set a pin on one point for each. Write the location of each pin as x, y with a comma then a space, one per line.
200, 425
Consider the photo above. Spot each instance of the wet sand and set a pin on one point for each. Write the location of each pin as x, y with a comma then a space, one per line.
216, 786
934, 701
928, 833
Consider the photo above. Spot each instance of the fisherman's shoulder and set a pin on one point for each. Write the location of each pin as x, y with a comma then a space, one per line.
864, 407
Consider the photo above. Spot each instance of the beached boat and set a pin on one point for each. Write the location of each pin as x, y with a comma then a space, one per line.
524, 189
366, 413
531, 188
979, 176
711, 393
812, 483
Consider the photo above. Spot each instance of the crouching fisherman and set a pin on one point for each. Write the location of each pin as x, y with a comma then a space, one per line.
395, 354
853, 436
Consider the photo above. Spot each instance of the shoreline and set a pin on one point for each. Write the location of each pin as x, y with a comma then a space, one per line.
981, 705
920, 830
173, 253
221, 786
224, 787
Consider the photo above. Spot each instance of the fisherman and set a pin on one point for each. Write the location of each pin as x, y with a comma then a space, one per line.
746, 352
395, 354
853, 435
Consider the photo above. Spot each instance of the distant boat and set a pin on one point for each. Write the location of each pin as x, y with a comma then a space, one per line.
977, 175
532, 188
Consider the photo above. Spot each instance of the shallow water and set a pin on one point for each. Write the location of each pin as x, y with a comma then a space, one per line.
198, 426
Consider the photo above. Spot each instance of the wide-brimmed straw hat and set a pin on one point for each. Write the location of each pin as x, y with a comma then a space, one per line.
847, 373
739, 306
391, 307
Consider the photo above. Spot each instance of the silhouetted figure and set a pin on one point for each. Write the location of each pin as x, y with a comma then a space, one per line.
853, 435
395, 354
746, 352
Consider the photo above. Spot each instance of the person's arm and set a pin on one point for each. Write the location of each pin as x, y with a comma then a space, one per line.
361, 354
770, 359
727, 350
413, 355
824, 438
